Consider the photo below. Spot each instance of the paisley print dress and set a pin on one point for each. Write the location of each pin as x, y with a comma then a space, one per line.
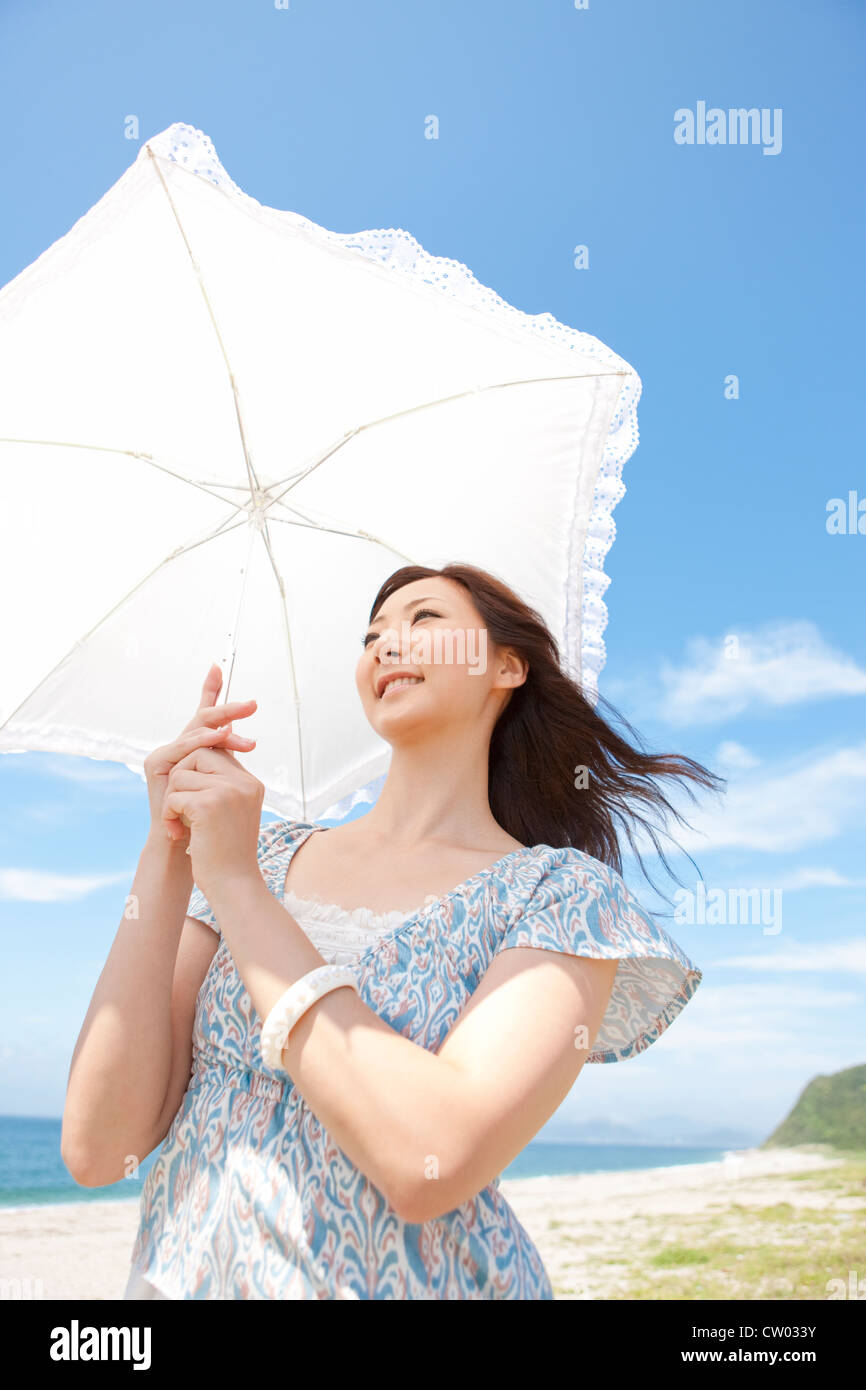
250, 1197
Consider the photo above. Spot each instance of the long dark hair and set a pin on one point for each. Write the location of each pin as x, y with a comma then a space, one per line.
548, 729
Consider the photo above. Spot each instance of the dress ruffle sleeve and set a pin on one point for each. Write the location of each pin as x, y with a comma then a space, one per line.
582, 907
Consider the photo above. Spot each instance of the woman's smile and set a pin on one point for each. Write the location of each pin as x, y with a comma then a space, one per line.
402, 683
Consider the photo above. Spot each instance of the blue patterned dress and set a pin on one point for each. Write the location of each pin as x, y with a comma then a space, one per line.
251, 1198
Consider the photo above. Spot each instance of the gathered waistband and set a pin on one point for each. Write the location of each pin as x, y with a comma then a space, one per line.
207, 1066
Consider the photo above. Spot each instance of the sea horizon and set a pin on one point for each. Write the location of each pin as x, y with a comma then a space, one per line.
32, 1173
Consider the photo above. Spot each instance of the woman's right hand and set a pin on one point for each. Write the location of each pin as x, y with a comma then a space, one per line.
210, 727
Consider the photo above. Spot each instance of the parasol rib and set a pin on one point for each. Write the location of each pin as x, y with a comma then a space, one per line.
130, 453
211, 490
181, 549
295, 478
214, 490
251, 473
236, 626
360, 535
290, 652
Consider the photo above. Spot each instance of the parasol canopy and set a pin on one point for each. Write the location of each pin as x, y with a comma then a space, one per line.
222, 426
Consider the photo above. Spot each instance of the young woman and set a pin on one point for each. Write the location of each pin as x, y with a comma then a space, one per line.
493, 946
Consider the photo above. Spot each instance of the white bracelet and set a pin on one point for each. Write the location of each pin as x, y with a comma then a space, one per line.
295, 1002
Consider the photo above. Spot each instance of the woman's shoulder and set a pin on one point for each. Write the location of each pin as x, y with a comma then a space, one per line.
566, 880
578, 903
564, 868
281, 833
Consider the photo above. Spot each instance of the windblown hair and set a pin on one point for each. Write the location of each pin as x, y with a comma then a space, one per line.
547, 730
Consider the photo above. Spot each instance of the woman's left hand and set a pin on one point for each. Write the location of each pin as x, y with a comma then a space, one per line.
222, 805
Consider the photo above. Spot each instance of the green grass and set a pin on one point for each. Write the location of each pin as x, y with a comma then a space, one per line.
674, 1255
783, 1270
740, 1251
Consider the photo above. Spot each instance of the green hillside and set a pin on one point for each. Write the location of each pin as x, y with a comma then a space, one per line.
830, 1110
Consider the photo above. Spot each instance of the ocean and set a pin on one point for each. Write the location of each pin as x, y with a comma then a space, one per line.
32, 1173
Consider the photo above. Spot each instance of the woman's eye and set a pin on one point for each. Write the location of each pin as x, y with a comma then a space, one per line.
422, 613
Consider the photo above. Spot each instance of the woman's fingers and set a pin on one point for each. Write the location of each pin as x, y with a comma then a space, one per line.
173, 818
189, 779
238, 742
206, 738
211, 726
183, 780
221, 739
221, 714
162, 760
212, 686
209, 757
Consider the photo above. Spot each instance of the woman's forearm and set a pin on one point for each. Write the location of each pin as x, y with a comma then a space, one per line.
121, 1066
388, 1103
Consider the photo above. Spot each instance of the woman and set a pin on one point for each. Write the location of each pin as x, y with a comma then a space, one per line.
495, 950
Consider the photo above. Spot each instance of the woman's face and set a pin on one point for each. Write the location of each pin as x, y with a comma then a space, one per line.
431, 632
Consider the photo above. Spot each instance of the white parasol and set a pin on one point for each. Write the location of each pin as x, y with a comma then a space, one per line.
223, 426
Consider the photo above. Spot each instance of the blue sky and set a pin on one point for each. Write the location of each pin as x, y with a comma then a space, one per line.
736, 628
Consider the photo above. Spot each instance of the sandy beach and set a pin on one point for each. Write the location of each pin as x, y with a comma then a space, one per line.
656, 1232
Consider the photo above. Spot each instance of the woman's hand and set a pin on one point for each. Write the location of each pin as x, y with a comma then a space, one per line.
210, 727
208, 790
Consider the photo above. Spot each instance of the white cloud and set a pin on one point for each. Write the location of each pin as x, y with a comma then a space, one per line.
795, 957
71, 768
89, 771
816, 878
735, 756
780, 664
819, 797
782, 1000
51, 813
732, 1021
35, 886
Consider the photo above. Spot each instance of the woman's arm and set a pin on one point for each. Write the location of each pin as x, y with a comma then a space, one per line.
402, 1114
127, 1070
131, 1062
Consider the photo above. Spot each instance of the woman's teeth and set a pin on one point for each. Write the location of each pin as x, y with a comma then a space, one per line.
404, 680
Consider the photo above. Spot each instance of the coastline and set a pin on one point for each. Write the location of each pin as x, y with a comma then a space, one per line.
590, 1228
